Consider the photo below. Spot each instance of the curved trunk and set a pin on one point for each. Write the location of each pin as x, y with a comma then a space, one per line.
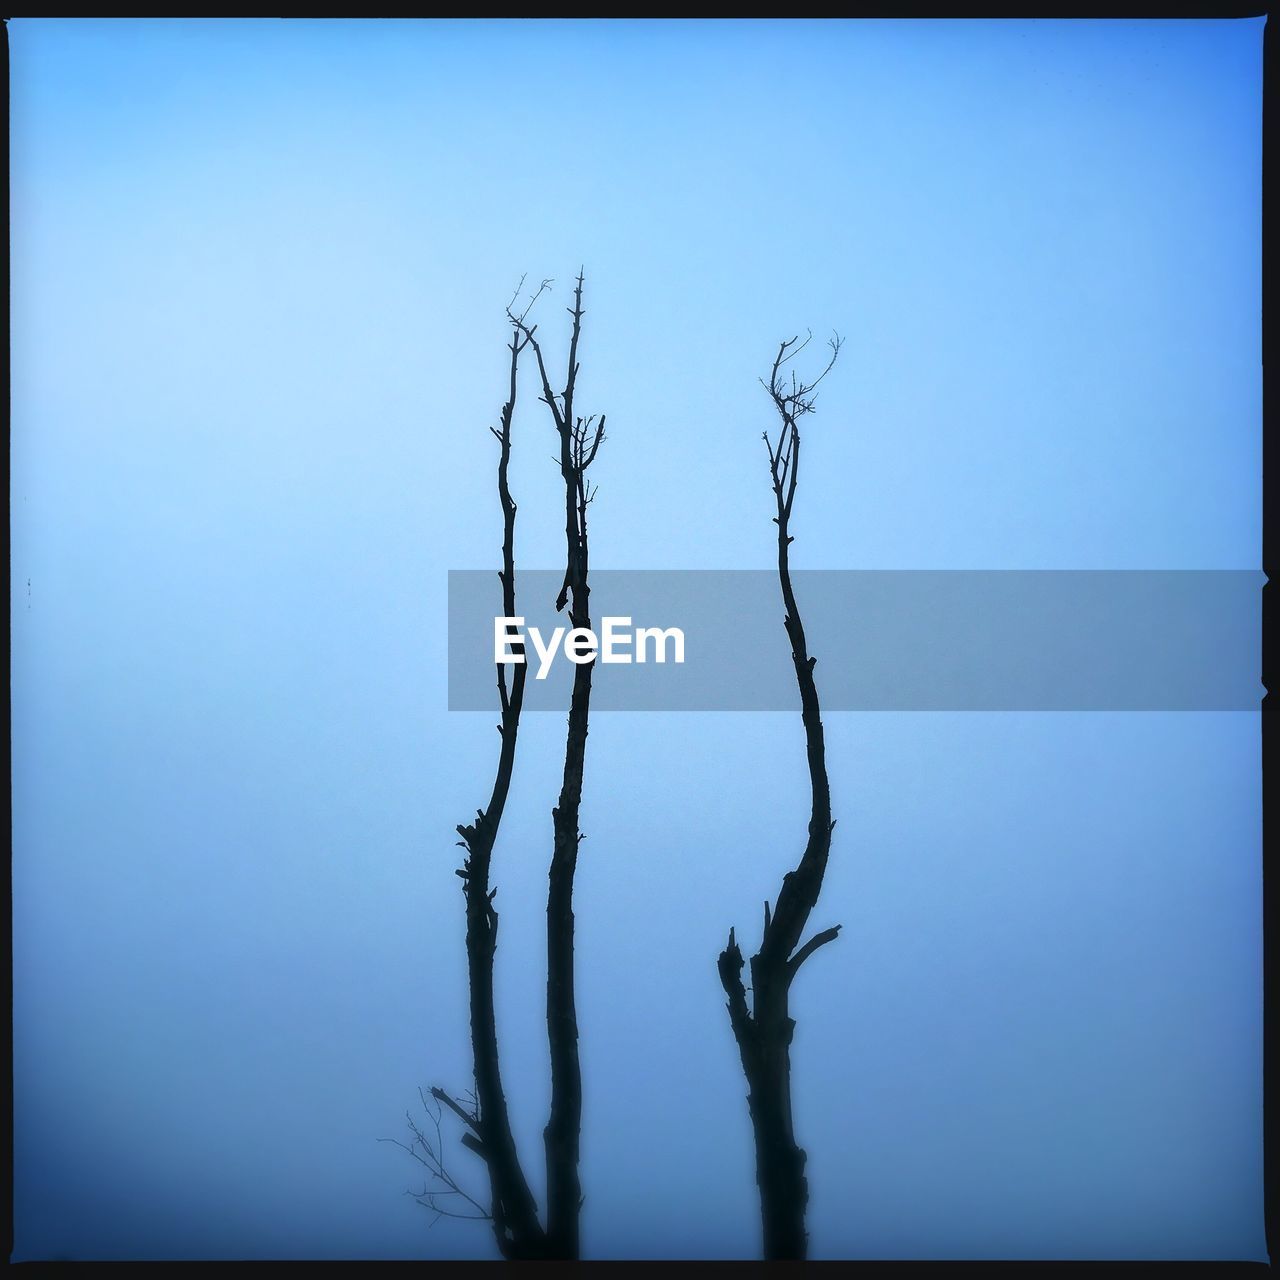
515, 1216
764, 1029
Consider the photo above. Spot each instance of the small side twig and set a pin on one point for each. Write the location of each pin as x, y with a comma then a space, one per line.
441, 1195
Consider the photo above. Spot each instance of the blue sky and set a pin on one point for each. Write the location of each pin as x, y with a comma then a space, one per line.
258, 278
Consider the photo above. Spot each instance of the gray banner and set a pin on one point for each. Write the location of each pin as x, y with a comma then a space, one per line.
888, 640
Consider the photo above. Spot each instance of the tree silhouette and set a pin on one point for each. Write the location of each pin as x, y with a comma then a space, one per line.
486, 1120
580, 439
763, 1027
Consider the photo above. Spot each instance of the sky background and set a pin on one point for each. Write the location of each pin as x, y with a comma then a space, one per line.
259, 271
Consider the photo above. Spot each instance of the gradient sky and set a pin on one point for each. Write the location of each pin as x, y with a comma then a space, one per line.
259, 270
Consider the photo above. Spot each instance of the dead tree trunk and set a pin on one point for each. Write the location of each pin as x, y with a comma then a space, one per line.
487, 1132
579, 438
488, 1128
763, 1027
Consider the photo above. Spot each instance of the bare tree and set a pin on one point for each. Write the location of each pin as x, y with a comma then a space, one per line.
580, 439
486, 1122
763, 1027
485, 1119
